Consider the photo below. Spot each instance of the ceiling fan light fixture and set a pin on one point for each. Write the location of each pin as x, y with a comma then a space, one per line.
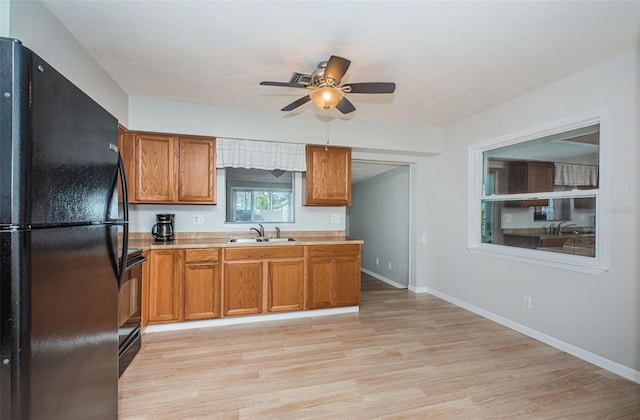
326, 97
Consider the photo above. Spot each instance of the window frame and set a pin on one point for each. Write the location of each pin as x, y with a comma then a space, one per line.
592, 265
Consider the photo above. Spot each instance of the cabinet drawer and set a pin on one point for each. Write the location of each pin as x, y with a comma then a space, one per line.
334, 250
263, 253
203, 254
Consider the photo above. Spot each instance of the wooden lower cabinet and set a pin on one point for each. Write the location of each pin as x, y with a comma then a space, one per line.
206, 283
260, 280
286, 286
320, 283
347, 280
333, 276
183, 285
243, 288
201, 284
165, 286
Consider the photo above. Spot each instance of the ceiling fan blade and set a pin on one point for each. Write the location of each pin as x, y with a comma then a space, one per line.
336, 68
284, 84
345, 106
372, 87
295, 104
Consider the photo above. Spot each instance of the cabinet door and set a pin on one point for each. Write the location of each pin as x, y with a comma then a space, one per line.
286, 286
347, 281
155, 163
165, 286
320, 283
197, 170
201, 291
540, 178
328, 176
242, 288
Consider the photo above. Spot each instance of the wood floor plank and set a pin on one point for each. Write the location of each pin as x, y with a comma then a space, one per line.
403, 355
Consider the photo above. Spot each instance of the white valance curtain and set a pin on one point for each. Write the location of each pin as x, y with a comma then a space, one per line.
266, 155
576, 175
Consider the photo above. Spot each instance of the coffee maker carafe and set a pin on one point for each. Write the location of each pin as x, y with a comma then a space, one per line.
163, 229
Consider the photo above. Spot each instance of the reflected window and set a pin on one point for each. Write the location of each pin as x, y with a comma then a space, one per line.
542, 194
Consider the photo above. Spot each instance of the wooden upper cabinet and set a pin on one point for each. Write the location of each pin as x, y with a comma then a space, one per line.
328, 176
540, 176
168, 168
197, 170
155, 176
128, 153
527, 177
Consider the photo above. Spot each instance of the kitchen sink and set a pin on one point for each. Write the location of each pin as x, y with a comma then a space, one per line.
258, 239
245, 240
279, 239
576, 232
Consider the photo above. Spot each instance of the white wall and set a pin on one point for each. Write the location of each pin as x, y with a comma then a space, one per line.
598, 314
40, 31
183, 118
306, 217
379, 215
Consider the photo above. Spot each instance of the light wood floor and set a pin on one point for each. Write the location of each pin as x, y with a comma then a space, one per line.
403, 356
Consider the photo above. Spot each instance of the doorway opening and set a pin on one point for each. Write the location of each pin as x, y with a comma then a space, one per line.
380, 215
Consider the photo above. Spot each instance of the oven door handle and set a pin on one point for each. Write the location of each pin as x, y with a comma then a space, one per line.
132, 262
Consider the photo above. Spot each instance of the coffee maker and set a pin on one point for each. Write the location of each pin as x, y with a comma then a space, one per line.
163, 229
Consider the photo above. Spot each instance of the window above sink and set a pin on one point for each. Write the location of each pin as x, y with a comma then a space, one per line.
257, 196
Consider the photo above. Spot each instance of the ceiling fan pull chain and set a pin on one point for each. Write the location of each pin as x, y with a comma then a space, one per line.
326, 131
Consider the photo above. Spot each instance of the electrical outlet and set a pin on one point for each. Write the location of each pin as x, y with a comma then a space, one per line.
198, 219
424, 237
527, 302
335, 218
377, 261
390, 266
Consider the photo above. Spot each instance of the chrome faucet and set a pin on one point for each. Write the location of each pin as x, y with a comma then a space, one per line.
260, 231
277, 232
566, 226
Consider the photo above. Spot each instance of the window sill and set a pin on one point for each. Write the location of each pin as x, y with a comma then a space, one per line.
548, 259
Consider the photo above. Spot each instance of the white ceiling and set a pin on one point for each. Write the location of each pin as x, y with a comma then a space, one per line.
449, 59
363, 170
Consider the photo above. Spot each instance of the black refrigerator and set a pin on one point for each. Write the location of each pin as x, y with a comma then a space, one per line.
59, 227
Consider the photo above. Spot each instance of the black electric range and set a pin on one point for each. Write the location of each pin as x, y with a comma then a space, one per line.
130, 309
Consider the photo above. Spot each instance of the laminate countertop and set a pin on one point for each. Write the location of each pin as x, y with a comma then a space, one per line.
199, 241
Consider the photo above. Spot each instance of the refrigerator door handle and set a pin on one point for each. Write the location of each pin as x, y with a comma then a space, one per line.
125, 220
120, 268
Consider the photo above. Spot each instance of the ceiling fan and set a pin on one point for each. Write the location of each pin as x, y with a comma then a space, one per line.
326, 91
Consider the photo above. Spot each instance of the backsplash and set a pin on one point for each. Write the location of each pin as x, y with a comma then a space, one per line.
142, 218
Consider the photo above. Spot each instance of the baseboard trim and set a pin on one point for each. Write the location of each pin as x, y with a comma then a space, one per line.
415, 289
614, 367
176, 326
384, 279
